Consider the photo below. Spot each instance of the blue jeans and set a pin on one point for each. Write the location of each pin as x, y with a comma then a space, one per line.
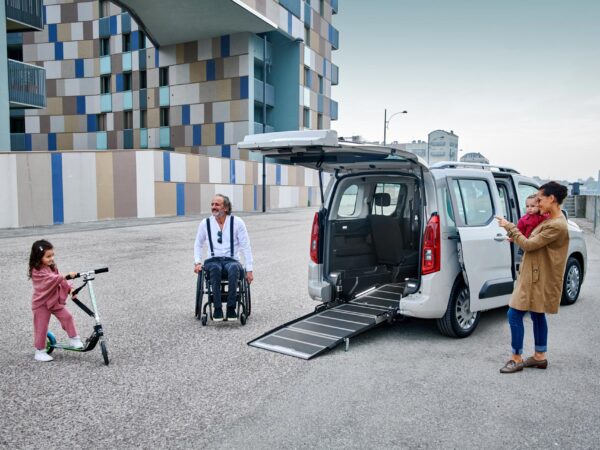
218, 267
517, 330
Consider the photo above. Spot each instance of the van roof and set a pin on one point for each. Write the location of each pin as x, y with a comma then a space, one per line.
472, 165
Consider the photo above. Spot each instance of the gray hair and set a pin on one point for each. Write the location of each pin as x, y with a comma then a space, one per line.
226, 203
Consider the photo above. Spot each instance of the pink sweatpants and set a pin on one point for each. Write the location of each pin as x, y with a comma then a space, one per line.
41, 319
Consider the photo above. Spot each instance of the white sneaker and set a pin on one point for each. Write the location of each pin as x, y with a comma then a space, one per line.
41, 355
75, 342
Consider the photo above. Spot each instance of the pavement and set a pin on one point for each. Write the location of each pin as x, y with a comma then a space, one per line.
172, 383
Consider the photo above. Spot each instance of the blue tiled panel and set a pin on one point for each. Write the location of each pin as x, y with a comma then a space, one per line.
143, 138
51, 141
113, 25
185, 115
142, 57
81, 104
226, 151
307, 14
231, 167
128, 138
105, 102
44, 14
164, 137
289, 23
166, 166
220, 138
58, 51
224, 46
244, 87
278, 175
210, 70
256, 197
28, 146
101, 140
180, 199
128, 100
125, 23
164, 97
119, 82
91, 123
57, 189
105, 65
126, 61
156, 58
79, 68
197, 135
104, 27
143, 99
52, 33
292, 5
135, 40
320, 103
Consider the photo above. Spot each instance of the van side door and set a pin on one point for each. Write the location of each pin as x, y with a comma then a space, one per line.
483, 248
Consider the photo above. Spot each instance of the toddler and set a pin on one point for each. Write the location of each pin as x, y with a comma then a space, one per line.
50, 291
532, 218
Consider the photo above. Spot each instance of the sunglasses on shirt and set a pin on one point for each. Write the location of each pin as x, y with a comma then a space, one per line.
220, 237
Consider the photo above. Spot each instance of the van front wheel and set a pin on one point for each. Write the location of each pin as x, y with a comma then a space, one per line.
458, 321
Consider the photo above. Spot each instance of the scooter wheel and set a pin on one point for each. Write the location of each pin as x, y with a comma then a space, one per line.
243, 319
50, 342
204, 320
104, 350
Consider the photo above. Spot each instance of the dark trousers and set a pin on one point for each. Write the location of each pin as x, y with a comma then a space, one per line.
218, 267
517, 330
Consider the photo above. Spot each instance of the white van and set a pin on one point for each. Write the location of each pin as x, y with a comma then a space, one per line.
389, 224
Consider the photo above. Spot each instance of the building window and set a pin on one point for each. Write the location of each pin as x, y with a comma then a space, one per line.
101, 122
127, 120
319, 121
104, 8
142, 36
143, 79
307, 82
17, 124
126, 42
104, 46
307, 36
127, 81
143, 118
322, 7
320, 84
163, 76
164, 117
306, 118
105, 84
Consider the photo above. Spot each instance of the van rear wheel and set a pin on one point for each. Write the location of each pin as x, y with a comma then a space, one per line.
572, 282
459, 321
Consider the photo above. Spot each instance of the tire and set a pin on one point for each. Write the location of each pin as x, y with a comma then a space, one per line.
204, 320
248, 300
243, 319
458, 321
104, 350
50, 342
199, 291
571, 282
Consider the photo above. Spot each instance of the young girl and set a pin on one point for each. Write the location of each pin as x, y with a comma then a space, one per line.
50, 291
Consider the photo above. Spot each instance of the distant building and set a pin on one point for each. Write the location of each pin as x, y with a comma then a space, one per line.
419, 148
440, 146
475, 158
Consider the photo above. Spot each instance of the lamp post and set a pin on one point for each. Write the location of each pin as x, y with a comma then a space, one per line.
386, 122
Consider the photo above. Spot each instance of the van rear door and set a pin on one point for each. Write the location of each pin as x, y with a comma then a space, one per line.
483, 248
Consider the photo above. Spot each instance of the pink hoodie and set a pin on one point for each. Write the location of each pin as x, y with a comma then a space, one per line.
50, 289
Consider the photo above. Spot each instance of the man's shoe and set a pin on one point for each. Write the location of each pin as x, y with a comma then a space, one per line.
512, 367
42, 356
218, 315
231, 315
537, 363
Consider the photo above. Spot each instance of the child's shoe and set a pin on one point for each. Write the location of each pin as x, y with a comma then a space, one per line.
75, 342
42, 356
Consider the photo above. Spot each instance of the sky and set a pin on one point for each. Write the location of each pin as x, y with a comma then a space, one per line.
516, 80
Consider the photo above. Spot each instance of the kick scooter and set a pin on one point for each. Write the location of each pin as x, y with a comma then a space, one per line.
97, 334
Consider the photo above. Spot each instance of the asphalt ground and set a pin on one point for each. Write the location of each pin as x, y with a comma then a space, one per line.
172, 383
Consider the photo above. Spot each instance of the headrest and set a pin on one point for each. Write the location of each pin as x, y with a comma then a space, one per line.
382, 199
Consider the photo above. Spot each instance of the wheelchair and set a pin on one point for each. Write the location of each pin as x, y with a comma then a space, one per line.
243, 304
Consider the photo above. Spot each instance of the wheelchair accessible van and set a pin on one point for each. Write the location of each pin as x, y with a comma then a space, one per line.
243, 304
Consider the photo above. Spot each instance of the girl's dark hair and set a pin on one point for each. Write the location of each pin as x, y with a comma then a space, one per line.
553, 188
37, 253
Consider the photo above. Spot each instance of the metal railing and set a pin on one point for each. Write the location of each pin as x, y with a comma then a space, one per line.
269, 95
25, 12
26, 85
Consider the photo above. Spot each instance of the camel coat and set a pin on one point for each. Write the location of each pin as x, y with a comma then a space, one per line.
540, 281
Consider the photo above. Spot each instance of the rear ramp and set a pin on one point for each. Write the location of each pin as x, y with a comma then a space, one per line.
326, 328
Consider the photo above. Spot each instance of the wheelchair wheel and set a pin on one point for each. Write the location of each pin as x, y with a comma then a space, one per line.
50, 342
199, 292
243, 319
248, 300
204, 320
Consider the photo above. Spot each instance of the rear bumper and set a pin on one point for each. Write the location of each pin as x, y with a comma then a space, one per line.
318, 289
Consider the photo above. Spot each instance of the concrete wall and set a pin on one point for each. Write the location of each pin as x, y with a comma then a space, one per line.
44, 188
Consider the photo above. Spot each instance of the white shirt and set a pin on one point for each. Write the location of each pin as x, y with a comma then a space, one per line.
241, 240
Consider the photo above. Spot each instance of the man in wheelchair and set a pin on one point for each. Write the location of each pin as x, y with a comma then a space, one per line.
226, 236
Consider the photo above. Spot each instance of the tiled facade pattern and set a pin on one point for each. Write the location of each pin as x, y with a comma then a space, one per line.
44, 188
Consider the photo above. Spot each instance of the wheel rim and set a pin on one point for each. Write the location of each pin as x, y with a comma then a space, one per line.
573, 279
464, 316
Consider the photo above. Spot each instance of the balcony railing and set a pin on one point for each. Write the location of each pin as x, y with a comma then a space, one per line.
24, 15
26, 85
260, 128
269, 94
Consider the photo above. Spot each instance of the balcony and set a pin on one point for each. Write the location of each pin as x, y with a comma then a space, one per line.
26, 85
269, 94
258, 48
259, 128
24, 15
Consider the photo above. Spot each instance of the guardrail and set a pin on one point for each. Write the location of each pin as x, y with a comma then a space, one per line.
26, 13
26, 85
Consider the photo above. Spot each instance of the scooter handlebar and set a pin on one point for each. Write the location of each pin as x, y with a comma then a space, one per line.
102, 270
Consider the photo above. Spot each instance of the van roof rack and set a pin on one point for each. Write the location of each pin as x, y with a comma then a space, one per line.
473, 165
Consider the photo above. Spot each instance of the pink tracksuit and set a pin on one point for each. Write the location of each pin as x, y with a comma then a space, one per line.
50, 291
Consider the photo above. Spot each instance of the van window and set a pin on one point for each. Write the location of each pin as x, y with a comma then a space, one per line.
474, 201
448, 203
504, 208
397, 194
347, 206
525, 190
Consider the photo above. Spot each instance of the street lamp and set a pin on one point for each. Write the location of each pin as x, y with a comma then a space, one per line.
386, 122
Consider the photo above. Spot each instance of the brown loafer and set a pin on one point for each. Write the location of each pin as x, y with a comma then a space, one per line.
512, 367
537, 363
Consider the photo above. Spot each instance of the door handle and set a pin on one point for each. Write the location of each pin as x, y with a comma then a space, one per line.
500, 238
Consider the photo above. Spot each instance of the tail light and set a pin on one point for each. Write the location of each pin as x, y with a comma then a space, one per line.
431, 246
314, 240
